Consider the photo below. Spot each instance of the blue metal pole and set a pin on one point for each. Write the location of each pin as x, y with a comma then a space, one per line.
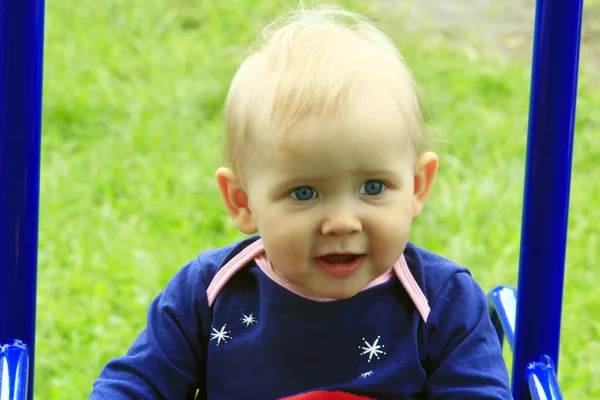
21, 56
547, 185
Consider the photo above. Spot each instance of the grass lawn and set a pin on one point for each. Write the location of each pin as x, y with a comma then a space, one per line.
133, 96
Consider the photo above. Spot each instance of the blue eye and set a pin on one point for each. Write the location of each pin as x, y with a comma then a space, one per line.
304, 193
372, 188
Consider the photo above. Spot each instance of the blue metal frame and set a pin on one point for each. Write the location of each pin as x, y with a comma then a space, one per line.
547, 184
503, 311
21, 57
14, 364
542, 381
540, 376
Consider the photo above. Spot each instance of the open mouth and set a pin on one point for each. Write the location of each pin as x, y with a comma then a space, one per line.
340, 258
340, 265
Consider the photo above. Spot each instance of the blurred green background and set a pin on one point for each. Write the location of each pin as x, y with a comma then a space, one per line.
133, 97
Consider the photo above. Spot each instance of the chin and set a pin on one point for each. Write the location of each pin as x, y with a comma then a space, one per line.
341, 294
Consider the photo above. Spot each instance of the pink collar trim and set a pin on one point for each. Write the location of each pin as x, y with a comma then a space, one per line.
255, 251
266, 267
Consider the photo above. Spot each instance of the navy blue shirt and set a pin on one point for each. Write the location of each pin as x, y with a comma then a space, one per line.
261, 341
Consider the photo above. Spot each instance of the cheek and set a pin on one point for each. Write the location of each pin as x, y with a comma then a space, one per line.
277, 222
286, 236
389, 235
287, 252
393, 233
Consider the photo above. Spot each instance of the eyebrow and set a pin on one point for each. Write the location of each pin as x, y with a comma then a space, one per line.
300, 180
364, 170
367, 171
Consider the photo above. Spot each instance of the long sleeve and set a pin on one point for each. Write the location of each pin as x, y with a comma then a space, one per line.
167, 360
464, 355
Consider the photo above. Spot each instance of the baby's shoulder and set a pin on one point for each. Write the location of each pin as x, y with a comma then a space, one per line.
208, 263
433, 273
200, 271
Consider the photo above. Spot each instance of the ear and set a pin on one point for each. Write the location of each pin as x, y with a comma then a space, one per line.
425, 172
235, 200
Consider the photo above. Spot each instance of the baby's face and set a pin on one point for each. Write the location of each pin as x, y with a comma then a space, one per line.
334, 207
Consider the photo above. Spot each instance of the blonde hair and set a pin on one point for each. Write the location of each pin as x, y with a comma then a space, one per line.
311, 62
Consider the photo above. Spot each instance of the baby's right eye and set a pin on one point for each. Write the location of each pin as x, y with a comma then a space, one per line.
303, 193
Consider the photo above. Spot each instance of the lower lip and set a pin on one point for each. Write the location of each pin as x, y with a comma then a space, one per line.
340, 270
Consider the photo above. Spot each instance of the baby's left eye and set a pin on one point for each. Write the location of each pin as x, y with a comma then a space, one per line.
372, 188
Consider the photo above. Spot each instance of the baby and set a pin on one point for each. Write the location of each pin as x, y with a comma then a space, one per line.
328, 162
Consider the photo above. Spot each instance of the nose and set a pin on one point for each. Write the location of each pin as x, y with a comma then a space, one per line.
341, 220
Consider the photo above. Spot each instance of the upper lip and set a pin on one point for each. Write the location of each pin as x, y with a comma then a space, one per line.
349, 253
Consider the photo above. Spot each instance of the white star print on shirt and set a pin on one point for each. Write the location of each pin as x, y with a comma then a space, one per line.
220, 335
372, 349
248, 319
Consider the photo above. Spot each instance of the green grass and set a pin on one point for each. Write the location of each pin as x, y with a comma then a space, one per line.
133, 96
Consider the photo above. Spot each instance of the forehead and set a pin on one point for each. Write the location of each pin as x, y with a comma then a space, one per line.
366, 140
